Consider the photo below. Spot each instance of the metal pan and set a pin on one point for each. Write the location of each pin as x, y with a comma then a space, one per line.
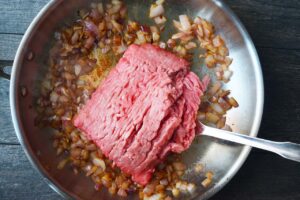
224, 159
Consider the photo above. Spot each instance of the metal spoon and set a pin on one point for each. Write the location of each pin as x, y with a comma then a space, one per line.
287, 150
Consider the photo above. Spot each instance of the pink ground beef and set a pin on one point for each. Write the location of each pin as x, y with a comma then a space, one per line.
145, 109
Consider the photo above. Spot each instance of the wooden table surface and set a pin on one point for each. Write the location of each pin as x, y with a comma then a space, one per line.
274, 26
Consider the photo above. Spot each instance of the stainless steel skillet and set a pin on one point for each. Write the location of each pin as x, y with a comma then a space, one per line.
223, 158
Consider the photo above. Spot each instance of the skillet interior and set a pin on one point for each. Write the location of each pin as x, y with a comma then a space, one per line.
224, 159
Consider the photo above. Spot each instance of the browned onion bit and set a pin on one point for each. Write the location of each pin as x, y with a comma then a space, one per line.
216, 102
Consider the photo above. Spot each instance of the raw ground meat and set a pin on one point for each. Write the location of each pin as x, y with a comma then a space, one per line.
143, 110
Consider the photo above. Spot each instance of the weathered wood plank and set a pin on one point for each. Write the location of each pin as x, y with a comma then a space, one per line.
16, 15
18, 180
8, 45
7, 133
281, 71
264, 176
270, 23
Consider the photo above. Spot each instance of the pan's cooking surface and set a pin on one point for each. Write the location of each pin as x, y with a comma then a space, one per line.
222, 158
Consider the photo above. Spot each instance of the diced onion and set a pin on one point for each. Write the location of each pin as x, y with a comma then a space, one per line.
160, 20
209, 174
200, 31
116, 25
53, 97
224, 104
77, 69
141, 37
221, 122
217, 108
178, 35
198, 168
105, 49
233, 102
175, 192
115, 9
206, 182
162, 45
157, 196
201, 116
212, 117
155, 36
185, 22
90, 26
227, 75
190, 45
191, 188
217, 41
215, 88
116, 2
121, 49
156, 10
171, 43
100, 163
210, 61
177, 25
197, 20
154, 29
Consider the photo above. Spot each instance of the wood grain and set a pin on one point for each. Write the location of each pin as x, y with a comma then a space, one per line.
270, 23
281, 69
264, 177
8, 45
7, 133
16, 15
18, 180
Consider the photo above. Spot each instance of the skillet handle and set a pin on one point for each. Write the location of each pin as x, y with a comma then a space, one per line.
287, 150
5, 69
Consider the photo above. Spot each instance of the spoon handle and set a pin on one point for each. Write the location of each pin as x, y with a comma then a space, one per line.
287, 150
